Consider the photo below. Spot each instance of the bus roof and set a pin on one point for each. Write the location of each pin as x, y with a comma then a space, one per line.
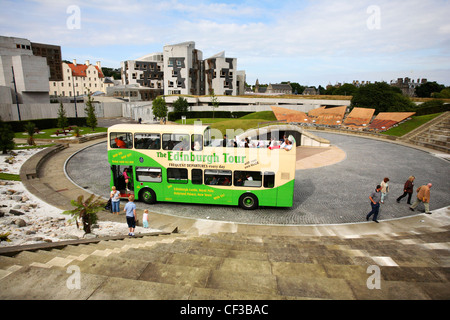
158, 128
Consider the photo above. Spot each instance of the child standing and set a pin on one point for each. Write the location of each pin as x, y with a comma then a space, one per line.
145, 218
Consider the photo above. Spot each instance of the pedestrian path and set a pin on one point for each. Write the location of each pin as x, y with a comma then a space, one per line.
194, 259
250, 264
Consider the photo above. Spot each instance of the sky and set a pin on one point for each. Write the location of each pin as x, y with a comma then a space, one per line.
311, 42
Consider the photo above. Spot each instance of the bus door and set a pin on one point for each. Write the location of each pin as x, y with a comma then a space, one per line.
119, 174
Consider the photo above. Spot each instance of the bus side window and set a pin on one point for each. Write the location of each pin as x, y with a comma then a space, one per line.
121, 140
150, 141
197, 176
218, 177
175, 175
197, 142
269, 179
148, 174
248, 178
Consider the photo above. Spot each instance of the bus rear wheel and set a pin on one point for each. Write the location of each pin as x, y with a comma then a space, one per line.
248, 201
148, 196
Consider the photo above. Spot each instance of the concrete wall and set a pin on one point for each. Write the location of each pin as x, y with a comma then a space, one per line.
9, 112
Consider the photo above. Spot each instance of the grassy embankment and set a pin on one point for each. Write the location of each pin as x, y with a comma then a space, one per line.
407, 126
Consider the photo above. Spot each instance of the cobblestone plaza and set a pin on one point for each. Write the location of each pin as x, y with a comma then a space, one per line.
331, 194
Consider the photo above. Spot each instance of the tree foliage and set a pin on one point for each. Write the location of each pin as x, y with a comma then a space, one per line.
91, 119
29, 128
427, 89
181, 105
6, 137
159, 107
62, 118
86, 211
214, 102
382, 97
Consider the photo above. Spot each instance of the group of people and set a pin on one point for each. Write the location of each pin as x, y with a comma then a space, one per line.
378, 196
129, 209
284, 143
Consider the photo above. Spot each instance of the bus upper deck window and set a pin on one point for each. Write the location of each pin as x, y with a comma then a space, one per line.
207, 137
150, 141
175, 141
121, 140
197, 142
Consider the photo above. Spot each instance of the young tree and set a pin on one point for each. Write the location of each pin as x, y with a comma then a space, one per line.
86, 211
6, 137
214, 101
181, 105
29, 128
159, 107
62, 118
91, 120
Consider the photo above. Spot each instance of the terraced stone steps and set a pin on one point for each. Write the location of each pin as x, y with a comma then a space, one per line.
434, 135
413, 265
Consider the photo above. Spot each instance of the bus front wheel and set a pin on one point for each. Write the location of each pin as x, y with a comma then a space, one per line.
248, 201
148, 196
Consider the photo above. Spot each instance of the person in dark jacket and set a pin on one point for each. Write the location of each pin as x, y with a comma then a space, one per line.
407, 190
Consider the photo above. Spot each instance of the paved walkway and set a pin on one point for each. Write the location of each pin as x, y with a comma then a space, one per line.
231, 260
332, 185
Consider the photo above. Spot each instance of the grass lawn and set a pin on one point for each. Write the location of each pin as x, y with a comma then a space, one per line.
415, 122
9, 176
47, 133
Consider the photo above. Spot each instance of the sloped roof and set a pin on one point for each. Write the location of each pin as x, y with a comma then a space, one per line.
79, 70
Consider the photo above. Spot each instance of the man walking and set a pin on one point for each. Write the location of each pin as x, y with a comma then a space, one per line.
375, 199
423, 195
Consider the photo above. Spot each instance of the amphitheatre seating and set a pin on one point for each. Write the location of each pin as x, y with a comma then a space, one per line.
359, 118
328, 116
385, 120
289, 115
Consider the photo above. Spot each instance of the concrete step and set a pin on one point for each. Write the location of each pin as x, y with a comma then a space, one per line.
249, 266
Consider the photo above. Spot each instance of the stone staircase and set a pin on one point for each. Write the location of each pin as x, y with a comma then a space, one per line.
434, 135
224, 266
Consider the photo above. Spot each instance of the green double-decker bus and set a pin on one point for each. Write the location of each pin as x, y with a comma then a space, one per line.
184, 163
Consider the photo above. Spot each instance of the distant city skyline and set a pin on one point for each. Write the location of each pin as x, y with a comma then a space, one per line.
309, 42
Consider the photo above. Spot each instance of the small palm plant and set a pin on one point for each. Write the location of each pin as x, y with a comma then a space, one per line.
4, 237
29, 128
86, 211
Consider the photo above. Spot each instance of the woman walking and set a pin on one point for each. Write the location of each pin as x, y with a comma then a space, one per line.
407, 190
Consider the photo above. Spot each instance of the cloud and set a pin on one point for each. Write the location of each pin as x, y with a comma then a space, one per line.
308, 38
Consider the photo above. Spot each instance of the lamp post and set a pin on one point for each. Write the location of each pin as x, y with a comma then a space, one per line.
15, 90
